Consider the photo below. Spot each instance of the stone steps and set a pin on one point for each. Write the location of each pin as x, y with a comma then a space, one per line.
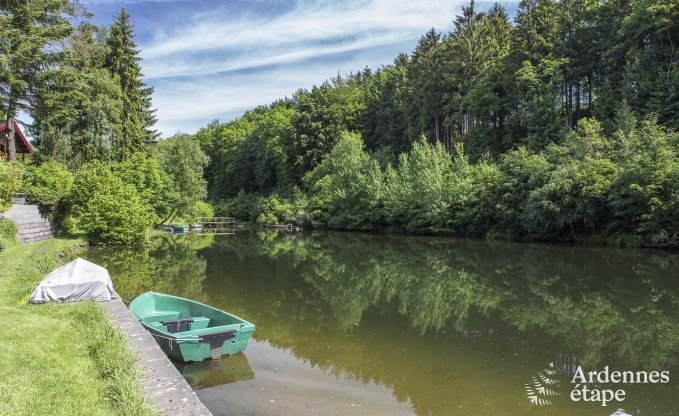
27, 219
31, 224
35, 226
23, 212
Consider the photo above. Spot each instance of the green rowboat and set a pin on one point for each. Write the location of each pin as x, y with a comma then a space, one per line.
188, 330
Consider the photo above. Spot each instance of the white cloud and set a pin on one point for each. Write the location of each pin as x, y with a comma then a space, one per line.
309, 29
216, 64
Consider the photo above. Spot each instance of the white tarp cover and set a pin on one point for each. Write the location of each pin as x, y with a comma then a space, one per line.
73, 282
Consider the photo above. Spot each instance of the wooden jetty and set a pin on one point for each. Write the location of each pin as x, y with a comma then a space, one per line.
215, 225
215, 222
215, 231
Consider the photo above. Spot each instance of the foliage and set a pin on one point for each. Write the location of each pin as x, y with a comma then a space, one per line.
274, 210
644, 198
262, 160
29, 31
384, 121
525, 129
150, 181
49, 185
199, 209
11, 178
346, 186
95, 106
320, 117
242, 206
222, 143
544, 106
479, 214
8, 231
290, 206
82, 86
77, 116
425, 188
183, 162
108, 210
122, 60
202, 209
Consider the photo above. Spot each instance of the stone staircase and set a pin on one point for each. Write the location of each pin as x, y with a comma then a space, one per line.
31, 225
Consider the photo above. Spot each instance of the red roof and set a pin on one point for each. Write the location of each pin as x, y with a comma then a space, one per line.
22, 144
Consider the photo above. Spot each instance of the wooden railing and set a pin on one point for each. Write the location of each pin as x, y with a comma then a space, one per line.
216, 221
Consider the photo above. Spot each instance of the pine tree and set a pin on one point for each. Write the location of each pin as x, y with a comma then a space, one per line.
27, 28
426, 92
122, 60
77, 115
488, 101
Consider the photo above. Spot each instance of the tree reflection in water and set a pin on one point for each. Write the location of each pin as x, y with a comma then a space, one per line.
426, 315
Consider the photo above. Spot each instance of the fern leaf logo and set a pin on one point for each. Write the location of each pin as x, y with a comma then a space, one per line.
540, 390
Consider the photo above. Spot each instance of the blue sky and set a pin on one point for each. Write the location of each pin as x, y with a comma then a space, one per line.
216, 59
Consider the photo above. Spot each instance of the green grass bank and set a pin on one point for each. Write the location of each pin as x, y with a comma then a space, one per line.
59, 359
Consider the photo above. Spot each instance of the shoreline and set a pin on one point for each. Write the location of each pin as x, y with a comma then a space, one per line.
62, 358
164, 387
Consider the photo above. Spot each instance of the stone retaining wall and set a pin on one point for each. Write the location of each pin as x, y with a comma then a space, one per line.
164, 387
31, 224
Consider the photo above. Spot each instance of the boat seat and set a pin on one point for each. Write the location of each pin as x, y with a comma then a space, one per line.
161, 316
200, 322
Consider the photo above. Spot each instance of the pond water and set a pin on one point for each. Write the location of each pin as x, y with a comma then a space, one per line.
396, 325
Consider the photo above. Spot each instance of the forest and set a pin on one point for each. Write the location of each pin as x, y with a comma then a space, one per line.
556, 124
98, 169
559, 125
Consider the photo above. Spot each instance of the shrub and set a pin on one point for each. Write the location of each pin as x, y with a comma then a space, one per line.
346, 186
199, 209
645, 196
11, 180
145, 174
8, 231
522, 172
49, 184
300, 214
202, 209
479, 214
243, 207
418, 193
182, 160
107, 209
274, 210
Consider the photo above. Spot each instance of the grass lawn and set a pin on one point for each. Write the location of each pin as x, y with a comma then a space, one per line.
59, 359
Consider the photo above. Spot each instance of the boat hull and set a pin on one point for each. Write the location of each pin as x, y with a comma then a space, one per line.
188, 351
207, 333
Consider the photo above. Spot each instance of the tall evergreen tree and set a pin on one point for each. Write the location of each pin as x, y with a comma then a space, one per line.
426, 93
651, 31
122, 60
77, 115
27, 29
475, 53
384, 119
488, 101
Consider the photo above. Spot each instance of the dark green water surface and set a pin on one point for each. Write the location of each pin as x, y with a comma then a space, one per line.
355, 324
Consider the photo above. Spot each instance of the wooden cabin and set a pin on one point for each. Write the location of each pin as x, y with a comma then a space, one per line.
22, 144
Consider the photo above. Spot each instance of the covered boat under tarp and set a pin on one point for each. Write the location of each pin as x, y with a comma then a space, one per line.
74, 282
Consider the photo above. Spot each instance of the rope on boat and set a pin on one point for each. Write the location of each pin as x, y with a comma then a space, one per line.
178, 340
